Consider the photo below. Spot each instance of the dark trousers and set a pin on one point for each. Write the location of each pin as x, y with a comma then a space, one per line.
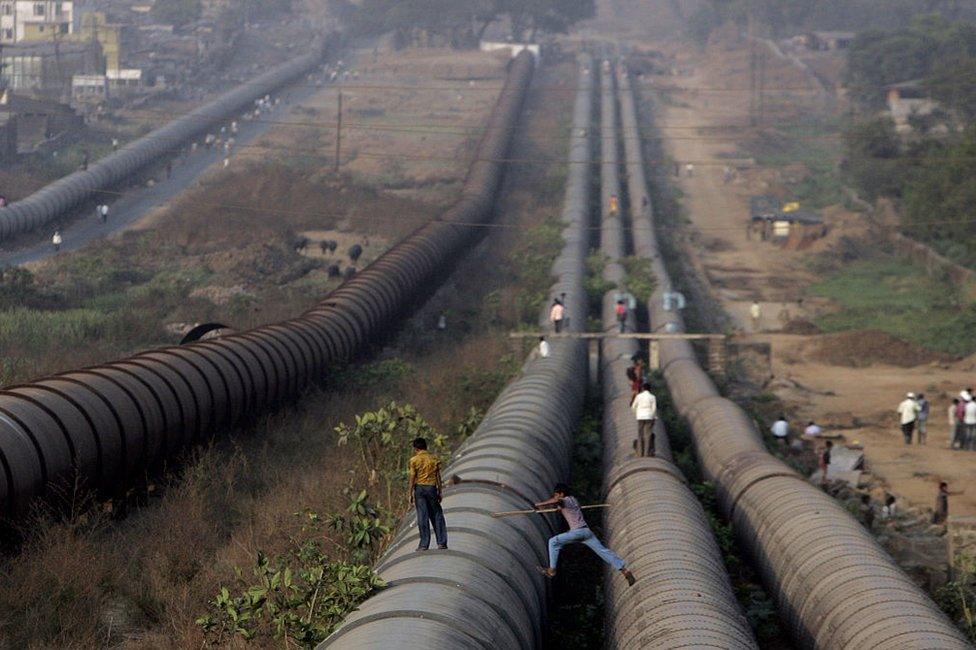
429, 512
557, 325
645, 437
907, 429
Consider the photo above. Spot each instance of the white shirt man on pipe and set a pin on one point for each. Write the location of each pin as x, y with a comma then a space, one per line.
645, 409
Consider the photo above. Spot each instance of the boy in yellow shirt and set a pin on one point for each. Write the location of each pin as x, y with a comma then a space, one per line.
425, 494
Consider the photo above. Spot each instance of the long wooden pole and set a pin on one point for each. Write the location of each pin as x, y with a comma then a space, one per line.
509, 513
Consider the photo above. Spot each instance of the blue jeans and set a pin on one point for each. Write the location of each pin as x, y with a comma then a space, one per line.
582, 536
429, 512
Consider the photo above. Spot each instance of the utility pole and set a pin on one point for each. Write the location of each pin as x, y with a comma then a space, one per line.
338, 144
762, 87
751, 35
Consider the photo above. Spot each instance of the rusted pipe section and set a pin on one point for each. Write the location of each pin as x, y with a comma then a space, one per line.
835, 586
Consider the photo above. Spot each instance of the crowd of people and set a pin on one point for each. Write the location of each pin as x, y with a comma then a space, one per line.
914, 415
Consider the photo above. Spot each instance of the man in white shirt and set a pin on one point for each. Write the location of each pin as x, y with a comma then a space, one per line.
812, 429
969, 425
644, 406
755, 312
781, 430
543, 347
556, 314
908, 413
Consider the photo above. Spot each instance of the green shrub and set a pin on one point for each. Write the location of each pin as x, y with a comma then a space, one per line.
298, 597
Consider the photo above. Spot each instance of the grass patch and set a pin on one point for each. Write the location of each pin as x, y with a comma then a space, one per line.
898, 297
812, 143
640, 280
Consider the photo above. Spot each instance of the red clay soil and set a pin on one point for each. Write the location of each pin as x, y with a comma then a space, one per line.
862, 348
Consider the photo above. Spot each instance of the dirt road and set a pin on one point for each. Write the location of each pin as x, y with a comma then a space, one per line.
703, 124
127, 207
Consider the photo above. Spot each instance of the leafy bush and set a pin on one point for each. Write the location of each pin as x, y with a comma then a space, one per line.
640, 280
383, 439
957, 597
299, 596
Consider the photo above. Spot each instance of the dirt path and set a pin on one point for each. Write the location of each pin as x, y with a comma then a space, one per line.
857, 402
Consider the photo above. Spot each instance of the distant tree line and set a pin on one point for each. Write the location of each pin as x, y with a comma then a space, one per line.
938, 52
931, 175
779, 18
463, 23
182, 12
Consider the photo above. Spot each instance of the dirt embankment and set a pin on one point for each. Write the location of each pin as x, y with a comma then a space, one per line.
863, 348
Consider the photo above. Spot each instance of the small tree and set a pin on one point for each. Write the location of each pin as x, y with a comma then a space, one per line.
383, 440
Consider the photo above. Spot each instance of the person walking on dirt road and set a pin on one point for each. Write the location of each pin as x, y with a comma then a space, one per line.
426, 489
557, 312
908, 414
644, 406
755, 312
579, 533
56, 241
923, 417
941, 514
825, 462
103, 212
781, 431
969, 425
954, 416
957, 411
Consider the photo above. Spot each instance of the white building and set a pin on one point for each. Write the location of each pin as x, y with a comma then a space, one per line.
35, 20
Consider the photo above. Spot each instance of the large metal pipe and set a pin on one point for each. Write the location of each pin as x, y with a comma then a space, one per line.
834, 585
485, 592
55, 200
99, 427
682, 597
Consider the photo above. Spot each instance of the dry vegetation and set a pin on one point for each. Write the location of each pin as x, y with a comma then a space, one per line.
225, 250
141, 582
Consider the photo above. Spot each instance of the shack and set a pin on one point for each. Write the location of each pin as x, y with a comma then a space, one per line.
791, 227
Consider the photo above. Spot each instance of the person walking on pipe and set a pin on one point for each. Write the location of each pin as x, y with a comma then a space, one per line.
425, 490
644, 406
579, 533
620, 309
557, 312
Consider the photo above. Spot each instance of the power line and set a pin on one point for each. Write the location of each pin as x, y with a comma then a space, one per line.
504, 226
